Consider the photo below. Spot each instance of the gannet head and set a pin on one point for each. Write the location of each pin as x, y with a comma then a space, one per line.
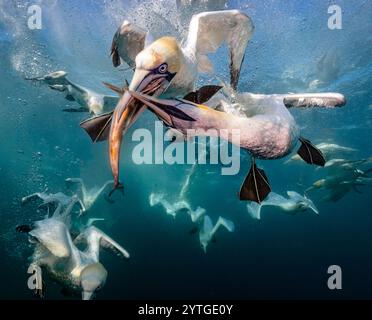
156, 66
93, 278
54, 78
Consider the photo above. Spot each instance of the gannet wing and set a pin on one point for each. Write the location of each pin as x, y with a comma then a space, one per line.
197, 214
209, 30
155, 198
100, 190
229, 225
128, 41
97, 238
28, 198
54, 235
205, 232
273, 199
310, 100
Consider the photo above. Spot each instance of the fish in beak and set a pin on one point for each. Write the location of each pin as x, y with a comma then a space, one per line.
156, 66
128, 110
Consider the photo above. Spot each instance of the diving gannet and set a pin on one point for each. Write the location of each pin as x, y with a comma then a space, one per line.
266, 129
207, 230
164, 66
342, 179
56, 251
89, 100
329, 150
295, 203
177, 206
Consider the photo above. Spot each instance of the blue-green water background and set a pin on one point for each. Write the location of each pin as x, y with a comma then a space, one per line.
278, 257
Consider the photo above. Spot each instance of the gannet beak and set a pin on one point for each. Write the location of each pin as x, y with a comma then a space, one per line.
149, 82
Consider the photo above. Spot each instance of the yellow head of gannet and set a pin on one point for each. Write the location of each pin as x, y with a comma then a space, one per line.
156, 65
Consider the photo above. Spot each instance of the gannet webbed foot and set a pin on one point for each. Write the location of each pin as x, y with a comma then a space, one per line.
310, 154
256, 186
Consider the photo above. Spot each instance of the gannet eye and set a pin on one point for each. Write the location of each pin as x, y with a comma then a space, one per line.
163, 68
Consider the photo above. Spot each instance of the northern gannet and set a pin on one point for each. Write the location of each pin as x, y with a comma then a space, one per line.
88, 197
56, 251
198, 216
342, 177
176, 206
165, 66
207, 230
295, 203
266, 129
89, 100
329, 150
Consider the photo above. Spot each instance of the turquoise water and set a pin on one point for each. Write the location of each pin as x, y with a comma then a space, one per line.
280, 256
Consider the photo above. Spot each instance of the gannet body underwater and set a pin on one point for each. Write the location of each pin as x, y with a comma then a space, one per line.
208, 230
174, 207
329, 150
198, 216
295, 203
267, 130
56, 251
166, 67
343, 177
89, 100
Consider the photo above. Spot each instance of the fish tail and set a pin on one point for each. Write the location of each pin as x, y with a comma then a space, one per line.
117, 186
